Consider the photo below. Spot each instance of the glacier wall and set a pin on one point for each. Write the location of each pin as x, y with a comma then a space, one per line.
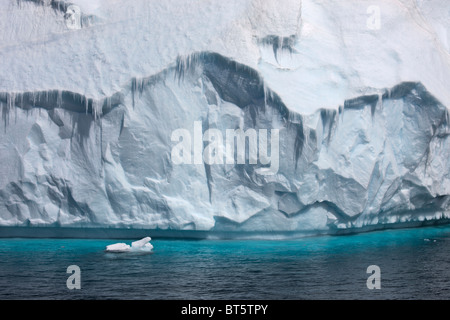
74, 161
89, 107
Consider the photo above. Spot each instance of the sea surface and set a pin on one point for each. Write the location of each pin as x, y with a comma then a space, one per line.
413, 264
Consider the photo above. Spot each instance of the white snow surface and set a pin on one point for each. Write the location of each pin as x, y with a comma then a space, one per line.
336, 55
87, 114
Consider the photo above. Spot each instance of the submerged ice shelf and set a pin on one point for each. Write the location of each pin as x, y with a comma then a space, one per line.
91, 147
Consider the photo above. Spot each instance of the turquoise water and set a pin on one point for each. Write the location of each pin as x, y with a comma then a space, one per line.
414, 264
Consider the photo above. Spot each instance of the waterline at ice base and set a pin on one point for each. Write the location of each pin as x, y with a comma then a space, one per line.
244, 119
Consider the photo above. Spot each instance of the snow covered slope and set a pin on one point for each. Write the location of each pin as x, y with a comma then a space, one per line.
357, 93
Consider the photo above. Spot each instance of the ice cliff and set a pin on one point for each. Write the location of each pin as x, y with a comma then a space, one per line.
88, 114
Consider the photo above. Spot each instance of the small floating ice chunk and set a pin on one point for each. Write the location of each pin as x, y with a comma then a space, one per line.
145, 248
118, 247
142, 245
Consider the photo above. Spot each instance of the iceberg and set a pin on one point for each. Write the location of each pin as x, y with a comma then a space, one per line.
335, 126
142, 245
118, 247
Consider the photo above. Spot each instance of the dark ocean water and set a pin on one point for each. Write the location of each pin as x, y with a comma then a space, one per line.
414, 264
